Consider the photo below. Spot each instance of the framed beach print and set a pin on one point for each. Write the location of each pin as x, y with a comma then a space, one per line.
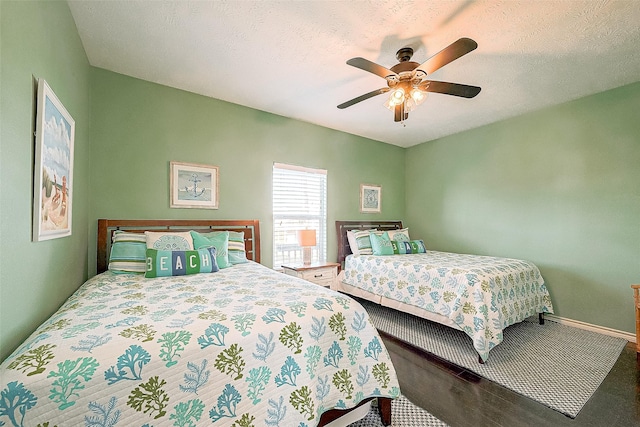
194, 186
53, 168
370, 198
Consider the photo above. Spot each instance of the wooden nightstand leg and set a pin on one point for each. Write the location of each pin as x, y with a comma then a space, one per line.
636, 301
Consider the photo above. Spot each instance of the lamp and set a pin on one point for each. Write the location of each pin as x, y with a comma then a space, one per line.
306, 239
405, 97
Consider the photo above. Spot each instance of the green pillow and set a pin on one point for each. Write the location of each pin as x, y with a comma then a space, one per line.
237, 252
179, 263
217, 239
381, 244
412, 247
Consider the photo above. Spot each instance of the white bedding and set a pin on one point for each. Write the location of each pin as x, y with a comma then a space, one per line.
479, 295
246, 346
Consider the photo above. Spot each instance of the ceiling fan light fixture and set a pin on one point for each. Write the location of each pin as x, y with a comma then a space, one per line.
418, 96
396, 97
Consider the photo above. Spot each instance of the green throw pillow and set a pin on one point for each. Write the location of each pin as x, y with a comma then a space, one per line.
179, 263
217, 239
381, 244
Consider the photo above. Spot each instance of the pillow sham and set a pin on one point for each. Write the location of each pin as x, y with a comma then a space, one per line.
401, 235
217, 239
169, 241
381, 244
179, 263
128, 252
237, 251
360, 242
412, 247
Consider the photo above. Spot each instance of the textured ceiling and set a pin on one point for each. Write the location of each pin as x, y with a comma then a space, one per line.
288, 57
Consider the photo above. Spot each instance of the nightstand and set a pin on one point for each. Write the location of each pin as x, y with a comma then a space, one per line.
320, 274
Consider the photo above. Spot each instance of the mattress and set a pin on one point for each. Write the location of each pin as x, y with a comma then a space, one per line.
245, 346
479, 295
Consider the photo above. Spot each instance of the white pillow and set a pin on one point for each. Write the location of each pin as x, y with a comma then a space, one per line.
169, 241
401, 235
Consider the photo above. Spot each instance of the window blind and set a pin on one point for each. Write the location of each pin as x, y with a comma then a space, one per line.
299, 203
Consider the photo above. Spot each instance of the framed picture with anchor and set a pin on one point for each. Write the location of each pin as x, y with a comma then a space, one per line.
194, 186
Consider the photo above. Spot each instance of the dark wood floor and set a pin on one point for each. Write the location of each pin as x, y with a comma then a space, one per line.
461, 398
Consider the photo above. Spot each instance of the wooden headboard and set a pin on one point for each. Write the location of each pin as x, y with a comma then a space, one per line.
106, 227
343, 226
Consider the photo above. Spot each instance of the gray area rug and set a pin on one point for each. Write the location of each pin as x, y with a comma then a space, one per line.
403, 414
557, 365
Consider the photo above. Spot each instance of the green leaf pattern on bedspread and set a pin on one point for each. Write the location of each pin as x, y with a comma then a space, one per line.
482, 295
246, 346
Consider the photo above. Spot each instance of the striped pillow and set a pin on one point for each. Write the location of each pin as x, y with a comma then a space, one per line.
128, 252
360, 242
179, 263
237, 251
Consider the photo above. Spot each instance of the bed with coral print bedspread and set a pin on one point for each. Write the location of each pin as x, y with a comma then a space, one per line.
245, 346
482, 295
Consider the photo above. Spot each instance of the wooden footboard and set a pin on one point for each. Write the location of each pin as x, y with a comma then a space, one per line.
384, 408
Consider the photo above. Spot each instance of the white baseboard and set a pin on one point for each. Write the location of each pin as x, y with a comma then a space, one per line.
589, 327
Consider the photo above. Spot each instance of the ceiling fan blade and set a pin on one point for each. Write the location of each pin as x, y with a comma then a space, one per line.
363, 97
450, 53
455, 89
372, 67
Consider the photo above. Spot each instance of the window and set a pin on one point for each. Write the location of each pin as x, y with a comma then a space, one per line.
299, 202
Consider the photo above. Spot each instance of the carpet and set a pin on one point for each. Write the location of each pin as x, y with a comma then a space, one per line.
557, 365
403, 414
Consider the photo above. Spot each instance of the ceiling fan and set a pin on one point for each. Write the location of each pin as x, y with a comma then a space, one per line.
407, 80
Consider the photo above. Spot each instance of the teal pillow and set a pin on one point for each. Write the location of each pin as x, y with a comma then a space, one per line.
412, 247
381, 244
217, 239
128, 252
237, 252
179, 263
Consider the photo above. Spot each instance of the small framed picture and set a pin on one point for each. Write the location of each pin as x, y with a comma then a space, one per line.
370, 198
194, 186
53, 170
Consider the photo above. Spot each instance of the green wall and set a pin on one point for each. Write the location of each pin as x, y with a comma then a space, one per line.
139, 127
38, 40
559, 187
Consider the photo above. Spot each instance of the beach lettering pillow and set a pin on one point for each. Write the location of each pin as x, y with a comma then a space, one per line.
179, 263
412, 247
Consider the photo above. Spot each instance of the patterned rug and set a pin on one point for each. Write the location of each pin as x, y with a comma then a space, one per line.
557, 365
403, 414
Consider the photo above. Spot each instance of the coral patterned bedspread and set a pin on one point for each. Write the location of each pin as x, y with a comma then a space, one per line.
482, 295
245, 346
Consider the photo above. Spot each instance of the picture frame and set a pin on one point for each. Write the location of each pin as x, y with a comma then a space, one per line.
370, 198
53, 167
193, 185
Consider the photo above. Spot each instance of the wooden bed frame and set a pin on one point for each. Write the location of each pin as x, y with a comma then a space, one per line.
343, 226
106, 227
251, 230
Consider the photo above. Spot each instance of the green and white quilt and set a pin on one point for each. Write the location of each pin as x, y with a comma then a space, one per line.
245, 346
481, 295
